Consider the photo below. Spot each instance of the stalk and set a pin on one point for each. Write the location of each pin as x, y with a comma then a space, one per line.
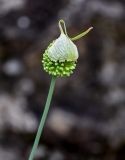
43, 119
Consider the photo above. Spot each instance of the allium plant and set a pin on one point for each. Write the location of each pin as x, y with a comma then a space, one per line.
59, 60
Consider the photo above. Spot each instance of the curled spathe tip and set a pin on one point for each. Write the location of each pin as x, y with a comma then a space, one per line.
81, 34
62, 26
63, 29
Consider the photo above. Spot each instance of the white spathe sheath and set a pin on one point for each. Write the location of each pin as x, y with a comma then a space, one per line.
63, 49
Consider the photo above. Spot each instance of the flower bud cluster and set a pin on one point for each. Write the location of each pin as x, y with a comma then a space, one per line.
60, 58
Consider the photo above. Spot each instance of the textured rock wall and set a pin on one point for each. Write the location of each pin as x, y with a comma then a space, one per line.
87, 115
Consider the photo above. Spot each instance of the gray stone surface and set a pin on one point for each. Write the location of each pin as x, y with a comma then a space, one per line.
87, 115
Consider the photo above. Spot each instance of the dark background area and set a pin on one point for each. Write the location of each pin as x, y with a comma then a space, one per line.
87, 116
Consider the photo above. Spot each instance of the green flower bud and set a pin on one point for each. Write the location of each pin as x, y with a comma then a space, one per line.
60, 58
56, 68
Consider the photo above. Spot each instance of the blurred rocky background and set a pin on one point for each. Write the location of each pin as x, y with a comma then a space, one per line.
87, 116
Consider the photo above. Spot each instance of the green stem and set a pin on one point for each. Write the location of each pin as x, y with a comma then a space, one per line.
43, 119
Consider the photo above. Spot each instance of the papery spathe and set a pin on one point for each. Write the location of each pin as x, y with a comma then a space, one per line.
63, 49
